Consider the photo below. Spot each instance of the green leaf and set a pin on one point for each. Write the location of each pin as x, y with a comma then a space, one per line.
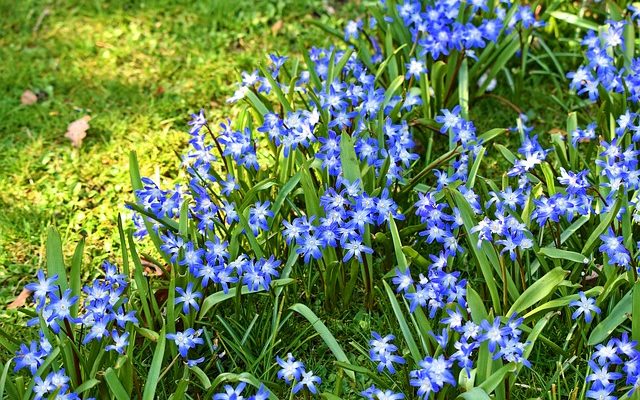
491, 134
391, 90
629, 42
243, 377
148, 333
283, 193
617, 316
76, 275
424, 326
154, 370
257, 104
591, 242
55, 259
474, 394
219, 297
277, 90
115, 386
404, 327
374, 375
3, 377
492, 382
635, 315
142, 286
350, 165
202, 376
324, 333
480, 254
549, 178
564, 255
575, 20
562, 302
476, 305
471, 181
463, 88
86, 385
540, 289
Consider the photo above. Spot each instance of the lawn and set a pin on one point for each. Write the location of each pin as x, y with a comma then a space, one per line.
138, 71
411, 199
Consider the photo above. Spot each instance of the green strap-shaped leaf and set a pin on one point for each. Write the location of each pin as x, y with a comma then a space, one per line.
115, 386
55, 259
219, 297
86, 385
474, 394
154, 370
404, 327
76, 274
491, 383
202, 377
350, 164
243, 377
564, 255
562, 302
480, 254
3, 377
540, 289
617, 316
591, 242
324, 333
575, 20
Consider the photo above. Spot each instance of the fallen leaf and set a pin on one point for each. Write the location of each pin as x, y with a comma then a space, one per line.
103, 45
28, 98
277, 27
20, 300
77, 130
151, 269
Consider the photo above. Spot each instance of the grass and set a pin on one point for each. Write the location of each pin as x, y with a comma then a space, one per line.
138, 71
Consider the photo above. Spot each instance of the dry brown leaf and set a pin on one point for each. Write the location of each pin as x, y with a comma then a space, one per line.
21, 300
28, 98
277, 27
77, 130
151, 269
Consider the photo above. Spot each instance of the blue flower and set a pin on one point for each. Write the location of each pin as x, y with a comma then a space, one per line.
308, 380
60, 307
186, 340
262, 393
612, 246
351, 31
494, 334
188, 297
231, 393
98, 328
355, 248
584, 306
601, 376
309, 246
402, 280
415, 68
120, 342
258, 215
197, 121
29, 357
602, 392
291, 369
43, 288
449, 119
